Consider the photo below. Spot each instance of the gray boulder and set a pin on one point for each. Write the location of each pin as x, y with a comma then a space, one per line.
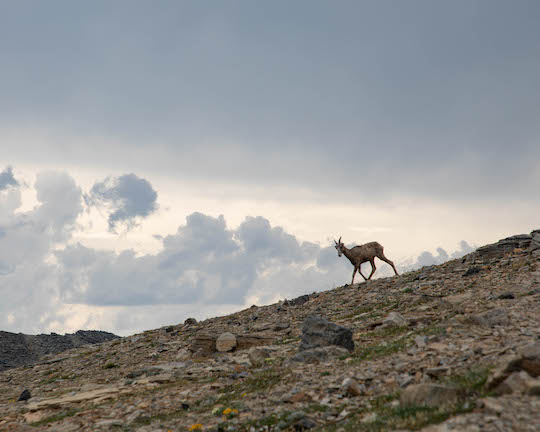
319, 332
503, 247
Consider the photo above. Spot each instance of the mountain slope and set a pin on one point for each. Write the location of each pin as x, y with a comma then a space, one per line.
455, 343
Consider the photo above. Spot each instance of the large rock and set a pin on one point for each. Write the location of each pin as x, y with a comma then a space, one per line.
491, 318
503, 247
429, 395
319, 332
534, 248
527, 359
226, 342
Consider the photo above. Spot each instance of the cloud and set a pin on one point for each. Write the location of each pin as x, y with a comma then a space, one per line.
7, 179
204, 261
426, 258
28, 276
128, 199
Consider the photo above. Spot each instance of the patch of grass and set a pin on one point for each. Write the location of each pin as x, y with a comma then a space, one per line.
315, 407
391, 416
473, 381
56, 417
287, 340
258, 383
262, 381
383, 349
389, 345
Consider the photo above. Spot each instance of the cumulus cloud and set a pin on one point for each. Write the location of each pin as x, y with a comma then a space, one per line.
7, 179
427, 258
127, 198
204, 261
28, 276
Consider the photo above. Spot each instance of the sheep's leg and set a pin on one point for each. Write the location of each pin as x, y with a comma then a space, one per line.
373, 268
353, 273
386, 260
360, 271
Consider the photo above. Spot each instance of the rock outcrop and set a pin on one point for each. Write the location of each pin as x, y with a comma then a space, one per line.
18, 349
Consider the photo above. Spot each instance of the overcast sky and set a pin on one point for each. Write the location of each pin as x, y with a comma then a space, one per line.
168, 159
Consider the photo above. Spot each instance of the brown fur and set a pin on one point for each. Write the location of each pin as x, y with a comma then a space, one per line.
361, 254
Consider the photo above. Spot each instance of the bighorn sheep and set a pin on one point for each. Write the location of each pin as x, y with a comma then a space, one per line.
361, 254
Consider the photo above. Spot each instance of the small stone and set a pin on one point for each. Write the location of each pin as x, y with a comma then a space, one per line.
493, 405
394, 319
421, 341
183, 354
190, 321
369, 418
437, 371
304, 424
351, 387
25, 395
299, 397
507, 296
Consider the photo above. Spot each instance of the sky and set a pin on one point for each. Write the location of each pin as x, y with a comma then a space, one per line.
173, 159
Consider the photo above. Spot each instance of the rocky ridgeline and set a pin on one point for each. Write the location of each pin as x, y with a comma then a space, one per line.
17, 349
454, 347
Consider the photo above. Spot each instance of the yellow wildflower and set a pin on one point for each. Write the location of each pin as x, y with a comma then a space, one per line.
196, 427
227, 411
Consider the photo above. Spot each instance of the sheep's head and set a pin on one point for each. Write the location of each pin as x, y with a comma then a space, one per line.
339, 246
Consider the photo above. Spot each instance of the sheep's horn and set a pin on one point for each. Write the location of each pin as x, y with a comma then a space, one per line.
339, 240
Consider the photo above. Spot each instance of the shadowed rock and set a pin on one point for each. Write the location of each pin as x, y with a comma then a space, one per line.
319, 332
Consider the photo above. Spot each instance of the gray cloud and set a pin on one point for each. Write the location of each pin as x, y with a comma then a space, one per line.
203, 262
432, 99
128, 198
7, 179
426, 258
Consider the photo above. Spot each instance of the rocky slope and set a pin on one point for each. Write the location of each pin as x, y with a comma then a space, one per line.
18, 349
454, 347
